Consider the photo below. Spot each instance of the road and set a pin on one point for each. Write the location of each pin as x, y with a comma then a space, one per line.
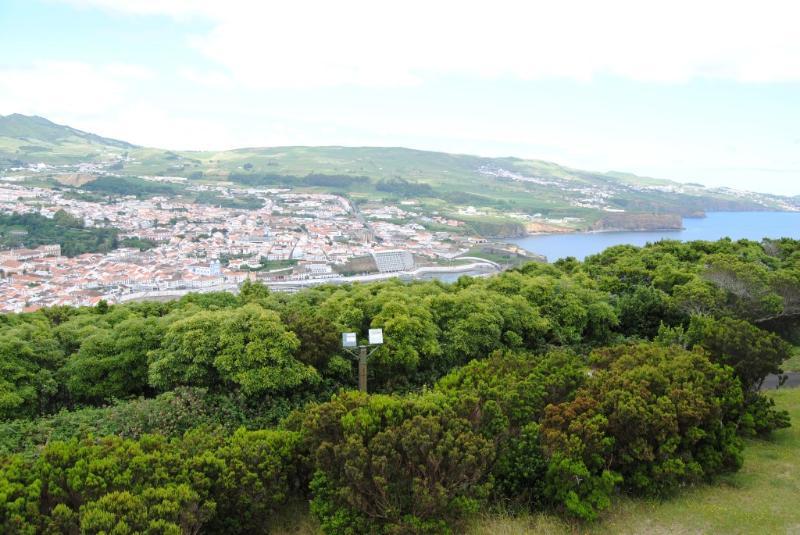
359, 216
771, 382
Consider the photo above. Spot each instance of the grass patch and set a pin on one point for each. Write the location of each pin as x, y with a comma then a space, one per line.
294, 519
793, 363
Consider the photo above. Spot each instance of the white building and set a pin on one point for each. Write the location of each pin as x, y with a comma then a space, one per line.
318, 269
211, 269
393, 260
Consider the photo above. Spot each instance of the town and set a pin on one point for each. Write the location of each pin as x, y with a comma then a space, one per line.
294, 240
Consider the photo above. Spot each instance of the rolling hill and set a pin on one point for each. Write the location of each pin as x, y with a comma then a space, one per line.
441, 182
30, 138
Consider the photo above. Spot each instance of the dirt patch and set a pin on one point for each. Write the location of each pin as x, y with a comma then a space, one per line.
545, 228
74, 179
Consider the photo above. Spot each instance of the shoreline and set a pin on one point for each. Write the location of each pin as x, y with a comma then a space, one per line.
753, 226
572, 231
603, 231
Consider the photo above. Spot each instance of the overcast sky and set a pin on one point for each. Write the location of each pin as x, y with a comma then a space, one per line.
700, 91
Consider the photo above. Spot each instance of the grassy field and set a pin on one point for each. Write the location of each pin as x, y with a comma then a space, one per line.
793, 364
763, 497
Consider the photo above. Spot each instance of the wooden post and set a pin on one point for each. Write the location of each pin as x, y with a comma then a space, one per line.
362, 369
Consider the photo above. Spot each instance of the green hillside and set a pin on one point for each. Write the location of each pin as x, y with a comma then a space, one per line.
440, 181
26, 139
515, 184
40, 129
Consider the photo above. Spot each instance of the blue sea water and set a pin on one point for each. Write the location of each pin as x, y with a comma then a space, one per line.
716, 225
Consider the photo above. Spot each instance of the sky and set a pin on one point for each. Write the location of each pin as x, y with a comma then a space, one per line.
703, 91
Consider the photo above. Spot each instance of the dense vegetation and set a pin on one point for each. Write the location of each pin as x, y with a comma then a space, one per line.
548, 387
404, 188
117, 186
244, 202
143, 244
761, 497
311, 179
33, 230
114, 186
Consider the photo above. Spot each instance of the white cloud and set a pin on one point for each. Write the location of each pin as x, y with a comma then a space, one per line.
173, 8
145, 124
51, 87
128, 71
246, 46
308, 43
215, 79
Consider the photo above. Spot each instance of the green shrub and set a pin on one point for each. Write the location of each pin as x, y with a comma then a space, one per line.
169, 510
251, 474
170, 414
230, 484
658, 417
753, 354
505, 396
386, 464
247, 349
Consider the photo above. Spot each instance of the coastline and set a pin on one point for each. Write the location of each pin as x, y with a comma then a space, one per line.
614, 222
694, 216
597, 231
717, 225
606, 231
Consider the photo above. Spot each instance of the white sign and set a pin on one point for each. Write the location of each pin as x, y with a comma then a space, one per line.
375, 336
349, 340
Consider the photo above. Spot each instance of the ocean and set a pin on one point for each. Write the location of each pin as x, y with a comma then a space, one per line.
716, 225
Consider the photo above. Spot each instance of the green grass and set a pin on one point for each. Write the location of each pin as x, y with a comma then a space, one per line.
763, 497
499, 257
793, 363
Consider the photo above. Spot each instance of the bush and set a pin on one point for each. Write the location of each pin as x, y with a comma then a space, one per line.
112, 364
247, 350
761, 417
250, 474
151, 485
386, 464
506, 396
171, 414
168, 510
753, 354
658, 417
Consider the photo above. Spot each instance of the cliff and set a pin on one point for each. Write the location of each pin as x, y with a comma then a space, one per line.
638, 221
496, 228
546, 228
